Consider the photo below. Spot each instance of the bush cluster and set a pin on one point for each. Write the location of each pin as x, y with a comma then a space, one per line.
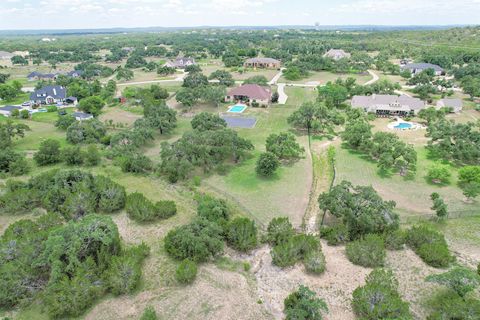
13, 163
186, 271
68, 266
430, 245
367, 252
379, 298
304, 304
139, 208
72, 193
290, 247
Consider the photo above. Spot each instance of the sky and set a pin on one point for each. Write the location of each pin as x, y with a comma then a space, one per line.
74, 14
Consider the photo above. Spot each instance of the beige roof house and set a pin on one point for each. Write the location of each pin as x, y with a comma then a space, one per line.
388, 105
337, 54
267, 63
4, 55
250, 93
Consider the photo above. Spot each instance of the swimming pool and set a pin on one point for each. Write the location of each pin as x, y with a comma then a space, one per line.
238, 108
403, 125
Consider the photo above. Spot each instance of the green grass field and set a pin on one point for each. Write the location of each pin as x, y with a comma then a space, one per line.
323, 77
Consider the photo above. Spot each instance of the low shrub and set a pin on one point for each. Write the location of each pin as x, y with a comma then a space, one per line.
241, 234
140, 208
135, 163
166, 209
304, 304
111, 196
335, 235
395, 240
186, 271
314, 262
279, 230
367, 252
197, 241
430, 245
213, 209
295, 249
125, 270
72, 155
379, 298
149, 314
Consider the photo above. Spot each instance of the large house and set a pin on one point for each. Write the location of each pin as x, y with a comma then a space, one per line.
415, 68
264, 63
7, 110
49, 95
388, 105
4, 55
34, 76
249, 93
455, 104
180, 63
336, 54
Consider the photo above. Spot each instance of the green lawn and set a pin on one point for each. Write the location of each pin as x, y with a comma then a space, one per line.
285, 194
323, 77
21, 98
412, 196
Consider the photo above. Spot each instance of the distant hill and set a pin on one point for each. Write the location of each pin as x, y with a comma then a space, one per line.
167, 29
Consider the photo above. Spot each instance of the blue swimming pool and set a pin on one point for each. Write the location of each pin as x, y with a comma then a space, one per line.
403, 125
238, 108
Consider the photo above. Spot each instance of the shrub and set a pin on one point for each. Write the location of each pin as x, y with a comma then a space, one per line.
196, 241
92, 156
186, 271
13, 163
111, 196
135, 163
87, 131
304, 304
72, 155
439, 174
430, 245
241, 234
379, 298
295, 249
267, 164
460, 279
279, 230
335, 235
65, 121
315, 262
140, 208
52, 109
395, 240
48, 153
166, 209
447, 304
149, 314
19, 201
368, 252
125, 270
24, 114
213, 209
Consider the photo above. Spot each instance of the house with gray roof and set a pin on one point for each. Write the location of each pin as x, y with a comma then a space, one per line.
264, 63
81, 116
7, 110
34, 76
5, 55
384, 105
455, 104
415, 68
336, 54
49, 95
180, 63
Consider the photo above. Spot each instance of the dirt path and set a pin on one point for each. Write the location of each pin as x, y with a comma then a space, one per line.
320, 183
372, 81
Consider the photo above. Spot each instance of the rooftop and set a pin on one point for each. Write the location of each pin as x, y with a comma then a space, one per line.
253, 91
387, 101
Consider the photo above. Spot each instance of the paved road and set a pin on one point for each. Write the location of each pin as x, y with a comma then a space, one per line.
282, 96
